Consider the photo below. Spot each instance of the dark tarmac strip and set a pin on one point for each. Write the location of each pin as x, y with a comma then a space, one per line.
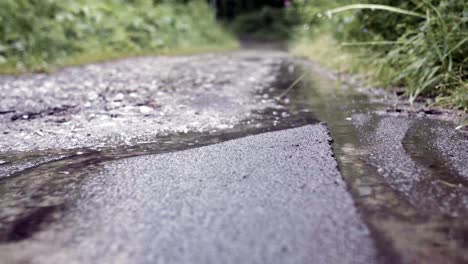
276, 197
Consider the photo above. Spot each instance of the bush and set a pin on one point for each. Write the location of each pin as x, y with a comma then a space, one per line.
36, 33
267, 23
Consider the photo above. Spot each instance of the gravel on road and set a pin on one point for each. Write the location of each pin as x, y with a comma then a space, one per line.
134, 100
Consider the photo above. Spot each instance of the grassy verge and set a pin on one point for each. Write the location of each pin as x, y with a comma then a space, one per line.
40, 35
326, 50
330, 53
419, 46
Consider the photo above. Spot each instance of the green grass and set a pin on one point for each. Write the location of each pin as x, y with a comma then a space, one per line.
330, 53
327, 51
420, 45
40, 35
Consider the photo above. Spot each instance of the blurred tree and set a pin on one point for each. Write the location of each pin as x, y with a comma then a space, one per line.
231, 8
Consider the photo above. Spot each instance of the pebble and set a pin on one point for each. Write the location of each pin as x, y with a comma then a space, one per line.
146, 110
119, 97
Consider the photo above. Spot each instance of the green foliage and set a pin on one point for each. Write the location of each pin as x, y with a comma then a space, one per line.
37, 33
428, 55
267, 23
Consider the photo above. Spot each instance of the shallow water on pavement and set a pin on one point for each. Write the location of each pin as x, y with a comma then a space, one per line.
36, 186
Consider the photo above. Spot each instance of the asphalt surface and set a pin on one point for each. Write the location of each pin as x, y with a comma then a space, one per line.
421, 160
271, 198
133, 101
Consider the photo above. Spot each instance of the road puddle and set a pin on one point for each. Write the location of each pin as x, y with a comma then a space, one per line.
36, 187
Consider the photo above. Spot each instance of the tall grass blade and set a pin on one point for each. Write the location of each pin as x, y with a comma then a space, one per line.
456, 47
374, 7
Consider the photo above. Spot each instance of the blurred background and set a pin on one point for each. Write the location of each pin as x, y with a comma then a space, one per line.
418, 45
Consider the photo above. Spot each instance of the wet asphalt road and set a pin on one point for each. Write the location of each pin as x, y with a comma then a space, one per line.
431, 178
135, 101
77, 184
271, 198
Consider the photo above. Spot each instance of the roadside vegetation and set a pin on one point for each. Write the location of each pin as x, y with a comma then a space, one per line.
267, 24
38, 35
418, 46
